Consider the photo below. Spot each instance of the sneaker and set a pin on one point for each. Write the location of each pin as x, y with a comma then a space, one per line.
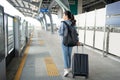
66, 72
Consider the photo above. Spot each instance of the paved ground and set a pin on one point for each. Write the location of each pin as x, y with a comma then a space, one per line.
44, 44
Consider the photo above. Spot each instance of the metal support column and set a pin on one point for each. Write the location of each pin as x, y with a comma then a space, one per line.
94, 30
42, 23
107, 42
80, 6
26, 32
51, 21
45, 21
85, 28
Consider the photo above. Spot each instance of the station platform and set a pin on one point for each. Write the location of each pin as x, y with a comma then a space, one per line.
43, 60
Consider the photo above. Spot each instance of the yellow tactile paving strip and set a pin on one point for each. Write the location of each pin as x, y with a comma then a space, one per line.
41, 42
51, 67
20, 68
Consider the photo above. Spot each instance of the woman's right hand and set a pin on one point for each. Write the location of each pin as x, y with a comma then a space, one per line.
79, 44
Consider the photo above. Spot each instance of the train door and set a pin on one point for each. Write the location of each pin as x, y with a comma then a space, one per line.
2, 46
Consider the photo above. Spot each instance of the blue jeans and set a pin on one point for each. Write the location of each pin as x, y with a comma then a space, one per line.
67, 51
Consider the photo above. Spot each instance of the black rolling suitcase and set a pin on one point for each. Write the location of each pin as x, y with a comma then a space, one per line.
80, 65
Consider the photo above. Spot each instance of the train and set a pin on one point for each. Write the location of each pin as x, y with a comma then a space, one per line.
15, 33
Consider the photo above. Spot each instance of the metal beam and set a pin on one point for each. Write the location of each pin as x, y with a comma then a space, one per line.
51, 4
19, 5
17, 2
26, 8
40, 5
29, 5
104, 1
63, 5
109, 1
11, 2
91, 4
23, 3
33, 3
28, 15
28, 12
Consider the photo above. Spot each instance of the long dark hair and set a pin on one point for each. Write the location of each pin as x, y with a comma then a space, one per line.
71, 17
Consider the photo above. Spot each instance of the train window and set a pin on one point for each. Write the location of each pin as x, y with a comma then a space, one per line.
10, 34
22, 33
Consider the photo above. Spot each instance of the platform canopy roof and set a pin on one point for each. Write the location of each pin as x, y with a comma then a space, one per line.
32, 8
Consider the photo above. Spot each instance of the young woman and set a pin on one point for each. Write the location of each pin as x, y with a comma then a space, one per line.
67, 51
